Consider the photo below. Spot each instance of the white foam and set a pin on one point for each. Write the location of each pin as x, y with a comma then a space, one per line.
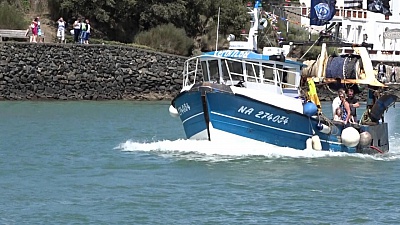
231, 150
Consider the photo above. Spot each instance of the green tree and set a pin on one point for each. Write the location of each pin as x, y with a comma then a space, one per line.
166, 38
121, 20
12, 17
116, 19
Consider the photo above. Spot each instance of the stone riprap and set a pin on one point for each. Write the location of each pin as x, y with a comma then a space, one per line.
87, 72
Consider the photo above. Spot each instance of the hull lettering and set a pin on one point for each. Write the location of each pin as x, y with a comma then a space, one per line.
263, 115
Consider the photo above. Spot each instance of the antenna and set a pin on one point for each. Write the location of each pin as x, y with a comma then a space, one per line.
216, 42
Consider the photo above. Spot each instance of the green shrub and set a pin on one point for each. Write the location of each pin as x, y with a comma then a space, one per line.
166, 38
11, 18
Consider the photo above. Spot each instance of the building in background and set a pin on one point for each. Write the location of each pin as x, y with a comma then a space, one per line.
371, 21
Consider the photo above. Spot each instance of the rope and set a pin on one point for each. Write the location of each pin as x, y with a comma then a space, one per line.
329, 89
376, 149
311, 128
351, 67
343, 67
329, 122
334, 67
309, 48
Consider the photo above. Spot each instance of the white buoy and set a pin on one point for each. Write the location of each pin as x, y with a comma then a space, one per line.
350, 137
172, 111
323, 128
365, 139
316, 143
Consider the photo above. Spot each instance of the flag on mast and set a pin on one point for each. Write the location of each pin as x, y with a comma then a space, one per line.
379, 6
322, 11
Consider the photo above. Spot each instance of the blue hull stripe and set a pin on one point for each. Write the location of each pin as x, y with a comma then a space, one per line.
271, 127
259, 124
191, 117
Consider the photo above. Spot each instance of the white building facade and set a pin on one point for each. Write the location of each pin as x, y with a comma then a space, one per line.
360, 25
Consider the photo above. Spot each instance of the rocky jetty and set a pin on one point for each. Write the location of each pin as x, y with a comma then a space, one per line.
86, 72
96, 72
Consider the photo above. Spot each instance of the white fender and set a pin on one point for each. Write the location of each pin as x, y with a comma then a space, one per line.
350, 137
316, 143
323, 128
309, 144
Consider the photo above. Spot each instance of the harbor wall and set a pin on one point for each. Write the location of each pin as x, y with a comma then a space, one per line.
87, 72
96, 72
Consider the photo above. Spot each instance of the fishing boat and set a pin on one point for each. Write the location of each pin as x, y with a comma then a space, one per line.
243, 94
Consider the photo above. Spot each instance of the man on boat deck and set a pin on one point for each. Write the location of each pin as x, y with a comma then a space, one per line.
353, 102
336, 102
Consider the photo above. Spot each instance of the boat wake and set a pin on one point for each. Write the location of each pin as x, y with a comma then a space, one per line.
233, 150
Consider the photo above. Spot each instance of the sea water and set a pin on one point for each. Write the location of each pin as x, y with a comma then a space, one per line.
122, 162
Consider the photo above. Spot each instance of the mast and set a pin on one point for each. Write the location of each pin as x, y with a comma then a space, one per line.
216, 42
251, 43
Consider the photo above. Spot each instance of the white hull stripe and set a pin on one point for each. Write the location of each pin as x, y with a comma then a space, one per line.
191, 117
275, 128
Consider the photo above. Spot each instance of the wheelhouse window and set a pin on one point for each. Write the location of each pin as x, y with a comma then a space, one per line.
235, 68
253, 71
280, 73
286, 78
268, 72
205, 70
214, 70
290, 77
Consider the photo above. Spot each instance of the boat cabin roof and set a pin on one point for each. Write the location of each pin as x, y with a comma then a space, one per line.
249, 56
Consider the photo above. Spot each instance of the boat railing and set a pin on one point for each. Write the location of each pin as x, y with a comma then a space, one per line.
188, 71
252, 73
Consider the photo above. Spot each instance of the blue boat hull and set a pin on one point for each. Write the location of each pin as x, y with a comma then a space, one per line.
245, 117
191, 112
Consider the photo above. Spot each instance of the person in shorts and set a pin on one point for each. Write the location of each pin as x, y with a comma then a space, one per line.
61, 30
381, 71
393, 74
40, 33
83, 31
34, 27
87, 33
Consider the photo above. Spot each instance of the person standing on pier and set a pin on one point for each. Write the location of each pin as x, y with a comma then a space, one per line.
61, 30
393, 75
381, 71
77, 30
